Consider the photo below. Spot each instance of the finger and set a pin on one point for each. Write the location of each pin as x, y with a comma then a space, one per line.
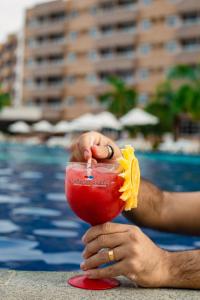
86, 142
103, 241
106, 228
100, 152
108, 272
101, 258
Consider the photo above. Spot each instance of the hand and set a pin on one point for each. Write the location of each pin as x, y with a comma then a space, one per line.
136, 256
93, 145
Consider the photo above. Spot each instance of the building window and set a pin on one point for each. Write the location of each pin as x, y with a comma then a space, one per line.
70, 101
172, 21
92, 78
71, 57
93, 32
92, 55
146, 2
93, 10
145, 49
143, 98
145, 24
171, 46
70, 79
91, 100
73, 14
144, 74
73, 35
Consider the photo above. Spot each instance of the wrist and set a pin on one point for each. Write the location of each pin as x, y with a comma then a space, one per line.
165, 270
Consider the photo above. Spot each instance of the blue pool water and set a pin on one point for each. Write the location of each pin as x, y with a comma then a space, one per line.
38, 231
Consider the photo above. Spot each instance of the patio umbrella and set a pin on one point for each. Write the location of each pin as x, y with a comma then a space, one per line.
107, 120
43, 126
62, 127
85, 122
137, 117
19, 127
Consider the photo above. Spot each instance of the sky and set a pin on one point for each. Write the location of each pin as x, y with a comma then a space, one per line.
11, 15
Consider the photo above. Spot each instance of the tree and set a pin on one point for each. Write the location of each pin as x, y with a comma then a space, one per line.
4, 99
178, 95
121, 99
160, 106
187, 98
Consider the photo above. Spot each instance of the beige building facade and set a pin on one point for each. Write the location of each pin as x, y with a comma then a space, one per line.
8, 61
71, 47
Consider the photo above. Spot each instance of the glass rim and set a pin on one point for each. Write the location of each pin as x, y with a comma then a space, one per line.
99, 164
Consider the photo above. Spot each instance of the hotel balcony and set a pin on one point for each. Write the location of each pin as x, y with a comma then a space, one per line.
46, 48
51, 27
81, 5
189, 30
113, 62
119, 38
188, 55
44, 90
45, 69
80, 67
188, 5
117, 14
157, 9
47, 8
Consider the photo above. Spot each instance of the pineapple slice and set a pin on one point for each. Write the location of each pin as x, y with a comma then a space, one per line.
130, 172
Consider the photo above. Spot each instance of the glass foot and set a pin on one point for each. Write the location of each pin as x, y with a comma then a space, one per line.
83, 282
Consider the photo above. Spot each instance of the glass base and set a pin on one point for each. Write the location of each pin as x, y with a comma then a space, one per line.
83, 282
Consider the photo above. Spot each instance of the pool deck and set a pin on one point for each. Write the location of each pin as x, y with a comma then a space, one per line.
22, 285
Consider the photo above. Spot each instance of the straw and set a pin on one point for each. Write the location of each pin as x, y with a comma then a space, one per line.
89, 162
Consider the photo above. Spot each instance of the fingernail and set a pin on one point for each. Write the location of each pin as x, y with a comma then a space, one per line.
83, 253
88, 274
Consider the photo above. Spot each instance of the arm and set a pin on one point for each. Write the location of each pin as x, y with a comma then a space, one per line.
138, 258
176, 212
184, 269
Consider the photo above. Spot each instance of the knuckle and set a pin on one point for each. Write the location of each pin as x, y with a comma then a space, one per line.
101, 240
102, 256
106, 227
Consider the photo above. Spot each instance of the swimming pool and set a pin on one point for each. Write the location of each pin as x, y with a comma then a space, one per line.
38, 231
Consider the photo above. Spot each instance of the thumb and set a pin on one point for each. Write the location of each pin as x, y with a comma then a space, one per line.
100, 152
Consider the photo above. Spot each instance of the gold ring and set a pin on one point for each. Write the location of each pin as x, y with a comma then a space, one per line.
111, 255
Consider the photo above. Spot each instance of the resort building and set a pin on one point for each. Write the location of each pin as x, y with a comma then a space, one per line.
72, 46
8, 61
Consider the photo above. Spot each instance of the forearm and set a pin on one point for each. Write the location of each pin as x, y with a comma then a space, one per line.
150, 210
182, 212
183, 270
174, 212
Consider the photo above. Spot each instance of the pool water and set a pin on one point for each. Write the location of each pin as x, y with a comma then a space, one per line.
38, 231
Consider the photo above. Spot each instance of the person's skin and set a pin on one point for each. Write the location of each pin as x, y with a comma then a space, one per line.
136, 256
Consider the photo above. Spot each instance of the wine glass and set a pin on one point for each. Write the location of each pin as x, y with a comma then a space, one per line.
93, 194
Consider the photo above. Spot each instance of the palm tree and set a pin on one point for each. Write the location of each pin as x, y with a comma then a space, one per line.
160, 106
4, 99
121, 99
178, 95
187, 99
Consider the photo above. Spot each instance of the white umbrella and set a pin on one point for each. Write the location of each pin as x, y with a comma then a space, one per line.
138, 116
43, 126
107, 120
62, 127
19, 127
85, 122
